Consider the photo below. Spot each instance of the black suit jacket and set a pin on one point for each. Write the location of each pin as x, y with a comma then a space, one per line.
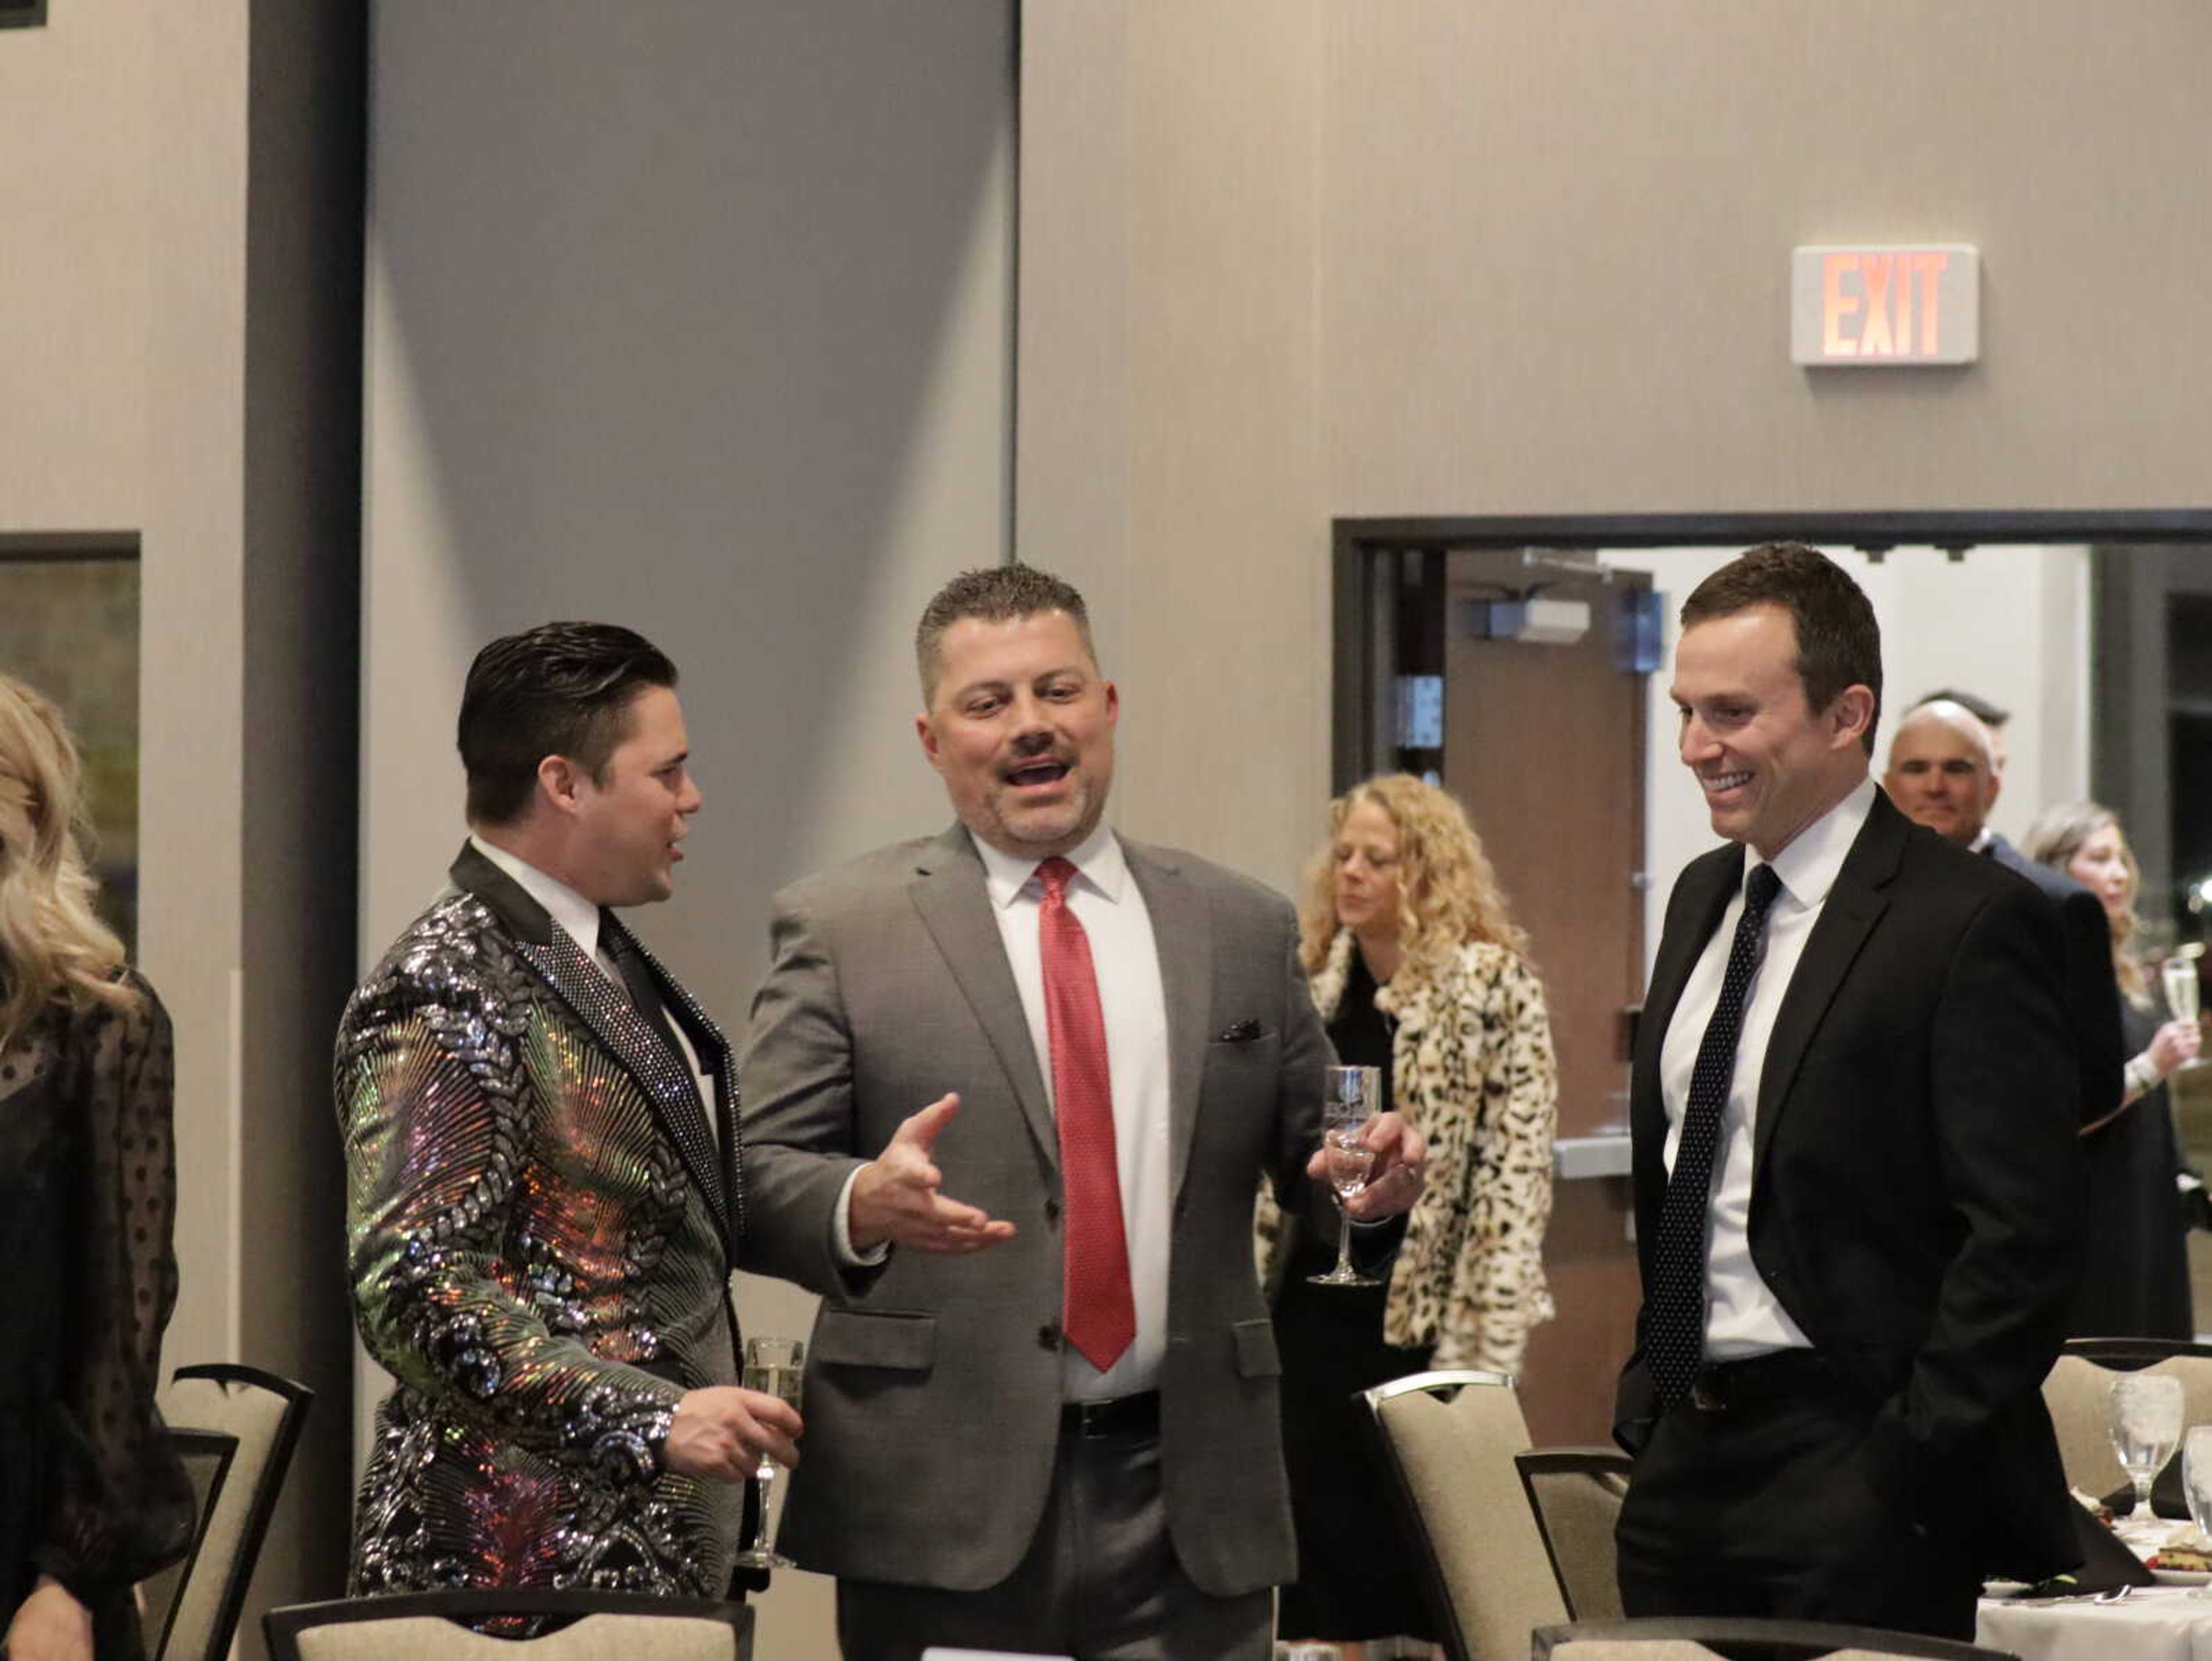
2092, 991
1918, 1181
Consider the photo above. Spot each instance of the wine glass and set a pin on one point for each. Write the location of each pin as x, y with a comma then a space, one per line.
2178, 973
774, 1367
1349, 1095
2196, 1484
2146, 1424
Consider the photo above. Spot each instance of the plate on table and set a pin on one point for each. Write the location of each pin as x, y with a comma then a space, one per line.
2180, 1577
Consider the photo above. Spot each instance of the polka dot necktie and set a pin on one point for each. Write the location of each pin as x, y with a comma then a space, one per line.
1099, 1314
1674, 1321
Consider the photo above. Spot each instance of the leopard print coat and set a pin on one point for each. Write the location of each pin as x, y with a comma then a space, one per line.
1472, 1068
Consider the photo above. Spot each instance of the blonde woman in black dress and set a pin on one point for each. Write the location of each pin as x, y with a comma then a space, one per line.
2135, 1271
1420, 970
92, 1498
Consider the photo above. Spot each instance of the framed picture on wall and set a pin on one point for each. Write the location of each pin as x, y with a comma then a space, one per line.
22, 14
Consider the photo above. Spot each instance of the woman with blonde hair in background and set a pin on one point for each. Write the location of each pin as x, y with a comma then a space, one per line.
94, 1499
2134, 1278
1419, 971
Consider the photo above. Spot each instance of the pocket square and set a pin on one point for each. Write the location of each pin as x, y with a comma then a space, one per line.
1241, 1032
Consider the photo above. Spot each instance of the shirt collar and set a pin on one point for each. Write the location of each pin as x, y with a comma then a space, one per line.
1809, 865
1098, 861
1982, 842
578, 917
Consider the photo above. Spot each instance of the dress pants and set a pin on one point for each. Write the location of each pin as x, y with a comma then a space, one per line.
1752, 1497
1100, 1582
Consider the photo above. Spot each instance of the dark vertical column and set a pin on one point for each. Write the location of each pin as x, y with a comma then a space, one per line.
307, 139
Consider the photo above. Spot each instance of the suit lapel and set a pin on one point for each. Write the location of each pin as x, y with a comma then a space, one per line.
1182, 935
949, 892
605, 1011
1849, 914
673, 1088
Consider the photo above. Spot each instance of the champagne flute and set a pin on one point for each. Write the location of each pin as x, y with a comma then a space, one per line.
2197, 1485
1349, 1095
2146, 1425
774, 1367
2183, 1001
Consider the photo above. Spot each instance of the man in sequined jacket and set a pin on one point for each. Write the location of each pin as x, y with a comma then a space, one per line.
543, 1198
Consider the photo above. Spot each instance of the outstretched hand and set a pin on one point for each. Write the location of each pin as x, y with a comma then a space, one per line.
896, 1197
1395, 1182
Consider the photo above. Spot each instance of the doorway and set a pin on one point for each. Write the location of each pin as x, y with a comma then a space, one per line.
1444, 667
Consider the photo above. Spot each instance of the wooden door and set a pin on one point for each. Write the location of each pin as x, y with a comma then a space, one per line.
1544, 744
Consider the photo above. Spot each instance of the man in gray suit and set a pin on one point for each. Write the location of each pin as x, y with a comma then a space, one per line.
1041, 1415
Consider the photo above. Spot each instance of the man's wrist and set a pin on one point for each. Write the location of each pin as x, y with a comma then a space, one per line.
850, 1253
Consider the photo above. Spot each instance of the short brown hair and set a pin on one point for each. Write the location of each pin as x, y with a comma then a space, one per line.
1839, 641
557, 689
996, 594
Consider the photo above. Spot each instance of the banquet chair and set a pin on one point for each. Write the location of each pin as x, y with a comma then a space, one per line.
2077, 1389
1449, 1440
577, 1625
1575, 1495
261, 1412
206, 1457
1698, 1638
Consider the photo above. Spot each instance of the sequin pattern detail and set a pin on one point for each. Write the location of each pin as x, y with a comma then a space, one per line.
535, 1263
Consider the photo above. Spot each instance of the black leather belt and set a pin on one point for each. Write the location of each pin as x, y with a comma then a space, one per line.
1124, 1415
1720, 1385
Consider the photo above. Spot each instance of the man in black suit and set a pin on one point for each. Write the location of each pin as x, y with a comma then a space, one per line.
1856, 1173
1945, 774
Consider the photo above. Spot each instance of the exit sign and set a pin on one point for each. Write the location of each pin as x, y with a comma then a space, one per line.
1885, 307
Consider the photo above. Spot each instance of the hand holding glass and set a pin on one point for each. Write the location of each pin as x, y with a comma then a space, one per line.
2146, 1426
774, 1367
1349, 1099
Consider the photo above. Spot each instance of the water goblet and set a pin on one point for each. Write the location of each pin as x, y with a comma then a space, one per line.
774, 1367
1350, 1096
2145, 1419
2197, 1485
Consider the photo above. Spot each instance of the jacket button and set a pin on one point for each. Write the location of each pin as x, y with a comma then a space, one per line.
1052, 1211
1047, 1336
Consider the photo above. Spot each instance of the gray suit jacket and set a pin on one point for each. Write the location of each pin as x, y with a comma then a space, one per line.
934, 1385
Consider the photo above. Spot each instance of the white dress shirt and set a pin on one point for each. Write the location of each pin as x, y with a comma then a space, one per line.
579, 919
1743, 1316
1105, 900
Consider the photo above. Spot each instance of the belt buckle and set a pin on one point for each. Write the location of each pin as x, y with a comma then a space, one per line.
1088, 1417
1706, 1394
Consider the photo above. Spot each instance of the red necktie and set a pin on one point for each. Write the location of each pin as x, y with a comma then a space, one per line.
1100, 1316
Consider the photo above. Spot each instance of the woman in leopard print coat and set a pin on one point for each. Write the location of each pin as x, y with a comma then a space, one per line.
1413, 962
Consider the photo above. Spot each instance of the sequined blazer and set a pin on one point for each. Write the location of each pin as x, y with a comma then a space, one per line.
541, 1225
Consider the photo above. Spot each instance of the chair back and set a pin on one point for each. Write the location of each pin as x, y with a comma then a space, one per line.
573, 1625
262, 1413
206, 1457
2078, 1391
1699, 1638
1449, 1440
1575, 1495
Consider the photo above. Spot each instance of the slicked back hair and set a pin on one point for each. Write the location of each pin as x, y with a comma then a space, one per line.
557, 689
1839, 641
994, 594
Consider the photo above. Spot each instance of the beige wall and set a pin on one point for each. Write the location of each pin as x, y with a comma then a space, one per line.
154, 342
1282, 262
699, 324
123, 201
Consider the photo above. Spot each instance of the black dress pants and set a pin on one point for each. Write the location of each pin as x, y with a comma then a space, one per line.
1754, 1499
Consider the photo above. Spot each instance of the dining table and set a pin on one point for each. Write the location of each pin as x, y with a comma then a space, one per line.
2165, 1623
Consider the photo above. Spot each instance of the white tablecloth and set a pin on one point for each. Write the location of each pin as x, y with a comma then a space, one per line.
2153, 1623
